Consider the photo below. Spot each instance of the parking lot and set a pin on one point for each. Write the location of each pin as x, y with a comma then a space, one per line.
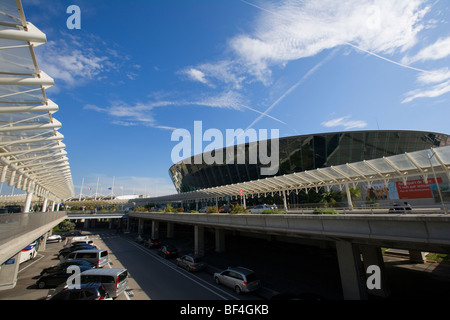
29, 271
282, 267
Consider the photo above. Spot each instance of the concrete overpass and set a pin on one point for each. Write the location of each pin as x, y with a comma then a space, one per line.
353, 235
18, 230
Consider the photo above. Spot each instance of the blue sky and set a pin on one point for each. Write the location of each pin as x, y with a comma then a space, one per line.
137, 70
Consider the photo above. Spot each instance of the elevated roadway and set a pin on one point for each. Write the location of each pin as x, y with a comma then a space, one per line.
358, 238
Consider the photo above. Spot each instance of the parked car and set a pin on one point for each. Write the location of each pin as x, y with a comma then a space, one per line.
98, 257
168, 251
202, 210
57, 278
242, 280
259, 208
87, 291
54, 238
80, 242
65, 251
65, 265
115, 281
225, 209
141, 239
191, 263
153, 243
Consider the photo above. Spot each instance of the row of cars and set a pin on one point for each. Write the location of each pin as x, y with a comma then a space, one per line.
240, 279
80, 274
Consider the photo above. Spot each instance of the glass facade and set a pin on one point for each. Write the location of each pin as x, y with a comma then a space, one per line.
306, 152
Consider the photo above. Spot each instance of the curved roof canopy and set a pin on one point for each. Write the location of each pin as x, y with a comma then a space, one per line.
32, 156
424, 164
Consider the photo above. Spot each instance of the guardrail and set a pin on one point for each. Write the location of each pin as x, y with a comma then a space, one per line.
430, 232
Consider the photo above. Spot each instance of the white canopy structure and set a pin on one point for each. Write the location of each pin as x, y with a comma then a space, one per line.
32, 156
424, 163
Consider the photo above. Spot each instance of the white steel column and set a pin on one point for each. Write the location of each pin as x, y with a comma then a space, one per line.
349, 198
44, 206
27, 206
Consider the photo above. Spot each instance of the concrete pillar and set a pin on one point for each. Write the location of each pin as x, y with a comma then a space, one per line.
110, 224
353, 285
416, 256
43, 244
285, 201
27, 206
44, 206
86, 223
155, 229
372, 256
128, 224
220, 240
199, 241
8, 273
140, 226
349, 198
53, 206
170, 226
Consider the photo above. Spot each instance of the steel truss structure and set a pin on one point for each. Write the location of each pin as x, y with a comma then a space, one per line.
32, 155
424, 164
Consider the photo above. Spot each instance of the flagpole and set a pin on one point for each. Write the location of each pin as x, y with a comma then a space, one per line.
81, 190
96, 189
112, 189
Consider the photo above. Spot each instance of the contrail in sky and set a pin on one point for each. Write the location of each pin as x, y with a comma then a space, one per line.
316, 67
303, 79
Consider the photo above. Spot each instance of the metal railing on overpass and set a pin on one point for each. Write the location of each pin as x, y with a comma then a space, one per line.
425, 232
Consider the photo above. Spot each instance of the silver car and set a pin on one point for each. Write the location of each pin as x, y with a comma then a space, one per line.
260, 208
240, 279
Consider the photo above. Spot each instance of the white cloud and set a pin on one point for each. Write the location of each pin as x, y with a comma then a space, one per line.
438, 50
345, 122
71, 61
224, 72
195, 75
431, 92
434, 76
294, 30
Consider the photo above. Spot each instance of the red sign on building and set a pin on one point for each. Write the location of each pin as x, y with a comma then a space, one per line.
415, 189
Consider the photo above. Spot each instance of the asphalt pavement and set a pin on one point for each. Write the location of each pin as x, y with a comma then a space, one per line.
282, 267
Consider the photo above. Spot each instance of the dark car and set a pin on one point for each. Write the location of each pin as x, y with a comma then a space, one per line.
87, 291
191, 263
63, 266
57, 278
225, 209
153, 243
168, 251
141, 239
64, 252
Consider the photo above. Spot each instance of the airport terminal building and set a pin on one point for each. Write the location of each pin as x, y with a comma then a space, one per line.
309, 152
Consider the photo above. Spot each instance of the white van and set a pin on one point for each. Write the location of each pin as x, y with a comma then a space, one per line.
115, 281
97, 257
77, 240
